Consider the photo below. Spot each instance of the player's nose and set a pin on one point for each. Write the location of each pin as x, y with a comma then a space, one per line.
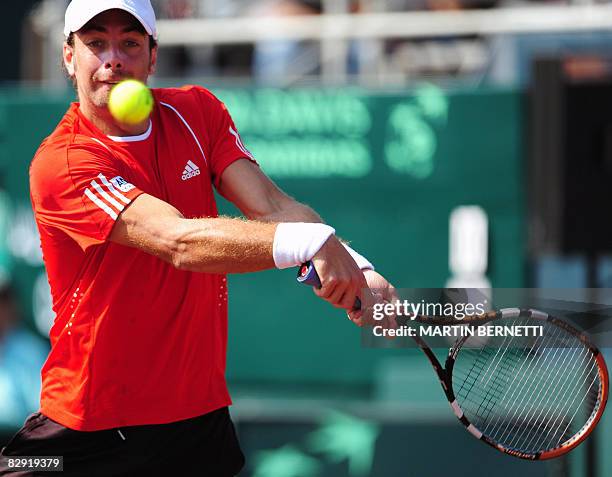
113, 59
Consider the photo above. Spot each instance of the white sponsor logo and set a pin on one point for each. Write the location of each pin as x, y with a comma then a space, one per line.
191, 170
107, 196
121, 184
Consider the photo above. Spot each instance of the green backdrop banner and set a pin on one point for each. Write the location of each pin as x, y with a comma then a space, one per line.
385, 169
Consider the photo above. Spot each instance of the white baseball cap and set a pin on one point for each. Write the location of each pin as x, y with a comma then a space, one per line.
79, 12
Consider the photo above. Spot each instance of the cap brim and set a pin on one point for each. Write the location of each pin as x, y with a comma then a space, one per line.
96, 11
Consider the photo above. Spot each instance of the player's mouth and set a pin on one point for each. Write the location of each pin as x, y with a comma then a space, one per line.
111, 81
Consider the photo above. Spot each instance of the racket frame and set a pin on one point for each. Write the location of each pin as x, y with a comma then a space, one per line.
445, 377
307, 275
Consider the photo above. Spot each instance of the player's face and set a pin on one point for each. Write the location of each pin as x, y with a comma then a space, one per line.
108, 49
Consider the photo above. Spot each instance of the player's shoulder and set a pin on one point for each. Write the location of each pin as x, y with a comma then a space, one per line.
66, 134
60, 151
67, 143
188, 96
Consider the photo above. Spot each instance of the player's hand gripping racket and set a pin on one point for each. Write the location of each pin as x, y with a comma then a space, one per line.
535, 400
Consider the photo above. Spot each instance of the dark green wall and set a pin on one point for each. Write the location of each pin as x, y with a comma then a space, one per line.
11, 20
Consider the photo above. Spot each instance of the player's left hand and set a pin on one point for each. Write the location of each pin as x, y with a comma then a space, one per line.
379, 284
383, 291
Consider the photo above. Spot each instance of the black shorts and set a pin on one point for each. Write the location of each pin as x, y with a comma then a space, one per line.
204, 446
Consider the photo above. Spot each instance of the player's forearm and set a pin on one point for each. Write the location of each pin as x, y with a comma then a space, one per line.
292, 211
296, 212
223, 245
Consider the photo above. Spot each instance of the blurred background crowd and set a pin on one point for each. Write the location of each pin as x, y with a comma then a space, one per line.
386, 48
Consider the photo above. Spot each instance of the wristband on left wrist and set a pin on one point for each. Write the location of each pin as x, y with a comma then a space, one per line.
362, 262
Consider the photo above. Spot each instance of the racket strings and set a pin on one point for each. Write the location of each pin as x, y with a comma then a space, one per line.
495, 381
592, 403
486, 398
528, 396
486, 402
513, 397
570, 395
530, 420
569, 390
532, 387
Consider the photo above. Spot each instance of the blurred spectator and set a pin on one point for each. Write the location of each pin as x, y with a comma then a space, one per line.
512, 55
173, 61
204, 60
22, 355
178, 9
276, 62
465, 55
281, 62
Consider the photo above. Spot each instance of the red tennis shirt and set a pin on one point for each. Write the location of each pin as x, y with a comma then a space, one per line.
135, 341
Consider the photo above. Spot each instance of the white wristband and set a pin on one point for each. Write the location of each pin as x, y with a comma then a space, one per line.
362, 262
297, 242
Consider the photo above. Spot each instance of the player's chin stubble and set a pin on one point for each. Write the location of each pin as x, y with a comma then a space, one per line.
95, 95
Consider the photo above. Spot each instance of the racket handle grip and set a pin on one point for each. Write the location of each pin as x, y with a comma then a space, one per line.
307, 275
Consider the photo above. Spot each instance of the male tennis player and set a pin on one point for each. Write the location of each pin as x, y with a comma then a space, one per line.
136, 258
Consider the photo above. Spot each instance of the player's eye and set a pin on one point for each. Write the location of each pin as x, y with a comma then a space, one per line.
94, 43
131, 44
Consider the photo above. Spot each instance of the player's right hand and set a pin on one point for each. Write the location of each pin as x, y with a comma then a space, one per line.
341, 279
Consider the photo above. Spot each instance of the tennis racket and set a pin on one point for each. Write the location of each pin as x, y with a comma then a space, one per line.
535, 399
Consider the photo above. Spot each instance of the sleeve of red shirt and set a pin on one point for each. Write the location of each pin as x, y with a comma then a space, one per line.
225, 142
80, 192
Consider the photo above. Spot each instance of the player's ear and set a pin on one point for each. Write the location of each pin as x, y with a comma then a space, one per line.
68, 56
153, 62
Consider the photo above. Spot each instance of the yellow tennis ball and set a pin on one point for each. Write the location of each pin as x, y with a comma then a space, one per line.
130, 102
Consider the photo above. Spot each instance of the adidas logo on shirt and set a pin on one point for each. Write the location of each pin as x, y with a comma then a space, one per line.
191, 170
